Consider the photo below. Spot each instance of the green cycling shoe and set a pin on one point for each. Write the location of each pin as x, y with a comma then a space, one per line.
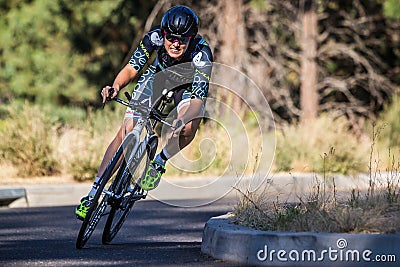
153, 176
83, 207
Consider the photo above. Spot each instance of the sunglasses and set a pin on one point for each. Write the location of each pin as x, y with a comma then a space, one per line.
181, 39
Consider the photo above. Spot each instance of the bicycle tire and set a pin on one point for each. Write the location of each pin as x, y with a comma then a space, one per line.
99, 205
118, 213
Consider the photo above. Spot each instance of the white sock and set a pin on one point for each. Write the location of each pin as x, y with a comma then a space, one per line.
94, 187
160, 159
163, 156
166, 154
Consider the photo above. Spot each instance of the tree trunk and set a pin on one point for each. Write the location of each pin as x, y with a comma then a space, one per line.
232, 48
308, 91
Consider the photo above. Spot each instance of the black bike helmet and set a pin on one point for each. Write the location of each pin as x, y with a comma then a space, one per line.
180, 21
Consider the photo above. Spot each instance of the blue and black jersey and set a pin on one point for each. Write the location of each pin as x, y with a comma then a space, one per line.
192, 71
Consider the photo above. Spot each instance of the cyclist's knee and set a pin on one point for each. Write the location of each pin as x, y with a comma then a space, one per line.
191, 128
127, 126
124, 129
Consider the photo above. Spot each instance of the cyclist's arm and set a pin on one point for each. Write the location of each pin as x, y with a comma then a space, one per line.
125, 76
140, 56
150, 42
138, 59
203, 67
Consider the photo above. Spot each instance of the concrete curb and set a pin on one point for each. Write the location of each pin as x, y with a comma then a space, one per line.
226, 241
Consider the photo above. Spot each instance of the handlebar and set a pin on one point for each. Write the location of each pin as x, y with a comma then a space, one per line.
134, 104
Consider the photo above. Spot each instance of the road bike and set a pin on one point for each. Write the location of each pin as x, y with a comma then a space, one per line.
118, 188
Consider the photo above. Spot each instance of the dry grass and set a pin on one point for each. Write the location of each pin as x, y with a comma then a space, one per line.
27, 141
366, 214
373, 210
81, 148
300, 147
217, 151
75, 149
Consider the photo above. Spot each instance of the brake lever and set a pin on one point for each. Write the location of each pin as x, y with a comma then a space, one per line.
108, 98
128, 96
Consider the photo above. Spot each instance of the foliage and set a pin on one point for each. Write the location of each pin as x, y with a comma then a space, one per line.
42, 141
37, 58
28, 137
60, 51
391, 9
358, 54
57, 53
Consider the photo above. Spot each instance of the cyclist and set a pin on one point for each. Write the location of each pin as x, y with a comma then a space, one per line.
175, 41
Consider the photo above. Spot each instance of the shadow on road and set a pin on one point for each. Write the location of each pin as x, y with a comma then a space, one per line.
154, 234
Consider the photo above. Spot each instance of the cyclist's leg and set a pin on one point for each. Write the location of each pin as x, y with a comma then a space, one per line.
126, 126
173, 146
143, 89
185, 106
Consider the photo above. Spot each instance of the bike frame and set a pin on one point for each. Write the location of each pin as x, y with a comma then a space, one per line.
123, 202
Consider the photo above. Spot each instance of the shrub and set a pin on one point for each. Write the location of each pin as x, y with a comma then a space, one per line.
85, 153
209, 151
27, 140
301, 148
84, 144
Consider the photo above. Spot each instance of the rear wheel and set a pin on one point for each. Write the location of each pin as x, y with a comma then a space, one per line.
120, 209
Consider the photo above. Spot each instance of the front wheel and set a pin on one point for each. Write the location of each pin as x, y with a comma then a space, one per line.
120, 210
99, 204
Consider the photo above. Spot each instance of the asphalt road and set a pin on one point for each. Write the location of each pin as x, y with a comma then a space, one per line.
155, 234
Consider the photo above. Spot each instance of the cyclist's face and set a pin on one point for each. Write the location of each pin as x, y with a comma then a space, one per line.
175, 48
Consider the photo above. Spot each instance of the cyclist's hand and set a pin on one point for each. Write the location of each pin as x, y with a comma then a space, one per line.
178, 127
108, 93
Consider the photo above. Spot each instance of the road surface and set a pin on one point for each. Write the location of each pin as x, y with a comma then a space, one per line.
155, 234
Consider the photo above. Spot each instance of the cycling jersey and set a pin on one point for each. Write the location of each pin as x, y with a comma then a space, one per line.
192, 71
